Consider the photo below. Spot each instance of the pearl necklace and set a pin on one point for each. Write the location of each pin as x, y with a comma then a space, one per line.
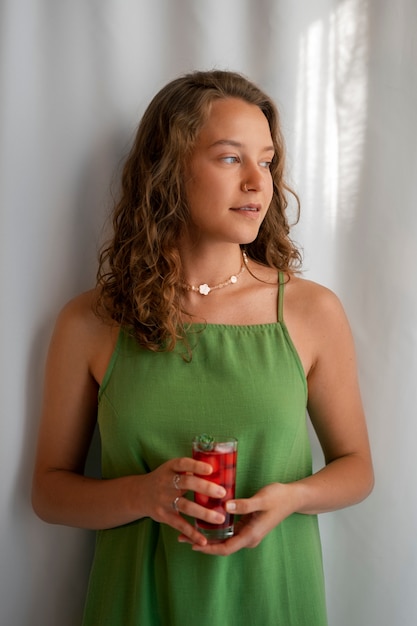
204, 289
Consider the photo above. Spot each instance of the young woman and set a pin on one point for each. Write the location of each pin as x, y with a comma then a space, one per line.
200, 323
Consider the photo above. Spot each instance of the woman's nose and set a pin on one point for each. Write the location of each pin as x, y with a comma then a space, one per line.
252, 179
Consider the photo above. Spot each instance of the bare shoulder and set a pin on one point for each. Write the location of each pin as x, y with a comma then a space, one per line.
315, 319
90, 337
314, 302
79, 315
79, 311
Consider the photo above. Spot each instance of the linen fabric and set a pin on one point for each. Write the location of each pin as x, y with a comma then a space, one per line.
242, 381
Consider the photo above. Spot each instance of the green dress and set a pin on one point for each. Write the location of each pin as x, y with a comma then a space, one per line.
242, 381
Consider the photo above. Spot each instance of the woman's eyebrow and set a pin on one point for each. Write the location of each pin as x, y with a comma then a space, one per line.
237, 144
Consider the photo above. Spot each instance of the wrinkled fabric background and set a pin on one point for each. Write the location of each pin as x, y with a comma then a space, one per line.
75, 77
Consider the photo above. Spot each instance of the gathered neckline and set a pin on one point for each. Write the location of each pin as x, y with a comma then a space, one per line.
202, 325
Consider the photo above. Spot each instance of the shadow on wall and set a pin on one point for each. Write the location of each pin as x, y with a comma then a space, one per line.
98, 190
55, 558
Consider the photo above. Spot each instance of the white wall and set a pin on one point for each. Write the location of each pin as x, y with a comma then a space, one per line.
74, 78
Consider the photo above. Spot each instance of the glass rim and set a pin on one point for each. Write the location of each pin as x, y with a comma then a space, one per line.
218, 441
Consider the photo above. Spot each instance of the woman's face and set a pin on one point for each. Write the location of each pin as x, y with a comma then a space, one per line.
228, 179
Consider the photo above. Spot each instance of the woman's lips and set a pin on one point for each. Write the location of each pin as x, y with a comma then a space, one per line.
249, 210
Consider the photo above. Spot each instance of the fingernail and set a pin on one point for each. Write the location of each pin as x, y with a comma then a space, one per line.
201, 543
221, 492
230, 506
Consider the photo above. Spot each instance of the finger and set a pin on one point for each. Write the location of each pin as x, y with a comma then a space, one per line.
189, 482
187, 464
188, 533
248, 534
243, 506
225, 548
192, 509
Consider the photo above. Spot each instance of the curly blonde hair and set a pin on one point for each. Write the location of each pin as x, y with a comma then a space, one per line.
140, 270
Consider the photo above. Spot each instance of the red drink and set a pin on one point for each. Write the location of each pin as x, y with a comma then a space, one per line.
222, 457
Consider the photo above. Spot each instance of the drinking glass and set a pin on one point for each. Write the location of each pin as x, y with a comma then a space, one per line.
222, 456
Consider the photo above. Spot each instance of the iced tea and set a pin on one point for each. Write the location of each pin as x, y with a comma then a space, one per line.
222, 456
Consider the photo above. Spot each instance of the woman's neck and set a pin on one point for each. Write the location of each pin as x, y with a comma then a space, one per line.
212, 265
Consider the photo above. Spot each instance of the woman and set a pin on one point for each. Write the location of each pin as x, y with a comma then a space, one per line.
200, 323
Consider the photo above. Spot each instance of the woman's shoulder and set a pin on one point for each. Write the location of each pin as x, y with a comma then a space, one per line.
311, 295
315, 319
79, 318
80, 311
85, 334
315, 307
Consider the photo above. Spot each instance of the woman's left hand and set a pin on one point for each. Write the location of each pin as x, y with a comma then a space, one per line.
259, 515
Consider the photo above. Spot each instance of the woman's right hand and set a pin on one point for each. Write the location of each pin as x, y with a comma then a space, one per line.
163, 490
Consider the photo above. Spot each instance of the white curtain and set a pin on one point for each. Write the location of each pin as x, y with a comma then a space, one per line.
74, 78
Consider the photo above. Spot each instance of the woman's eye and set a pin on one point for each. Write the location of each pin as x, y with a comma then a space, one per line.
266, 164
230, 159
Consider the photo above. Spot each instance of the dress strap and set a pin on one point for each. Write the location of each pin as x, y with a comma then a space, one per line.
281, 281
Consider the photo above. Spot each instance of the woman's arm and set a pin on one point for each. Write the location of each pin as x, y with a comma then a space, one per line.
79, 352
336, 412
325, 344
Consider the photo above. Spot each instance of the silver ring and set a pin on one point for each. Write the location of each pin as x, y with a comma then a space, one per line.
175, 504
176, 481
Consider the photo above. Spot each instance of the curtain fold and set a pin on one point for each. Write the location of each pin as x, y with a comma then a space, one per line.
74, 80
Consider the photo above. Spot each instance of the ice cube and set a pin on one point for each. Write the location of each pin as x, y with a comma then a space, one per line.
224, 448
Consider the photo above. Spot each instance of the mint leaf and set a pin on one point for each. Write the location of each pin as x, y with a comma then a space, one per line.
205, 442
